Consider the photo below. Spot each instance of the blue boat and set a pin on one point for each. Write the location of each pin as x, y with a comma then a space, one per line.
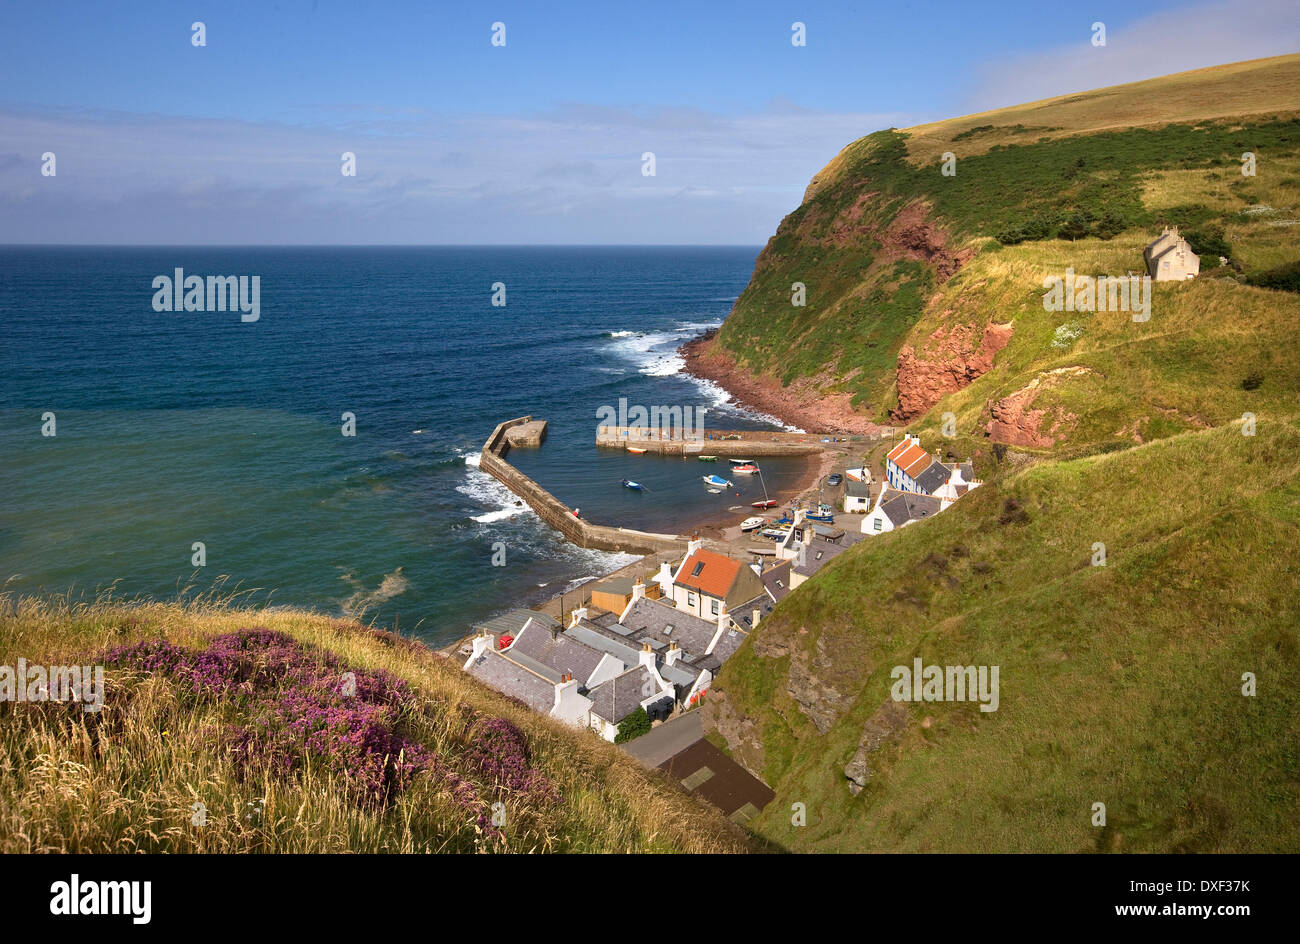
825, 518
717, 481
635, 486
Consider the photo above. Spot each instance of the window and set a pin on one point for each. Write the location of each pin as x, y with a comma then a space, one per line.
668, 629
690, 599
877, 524
698, 567
715, 607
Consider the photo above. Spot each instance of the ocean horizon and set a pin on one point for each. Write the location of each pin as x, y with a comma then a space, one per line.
173, 428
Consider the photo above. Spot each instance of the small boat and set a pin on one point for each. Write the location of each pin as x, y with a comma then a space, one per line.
708, 458
741, 461
823, 517
636, 451
776, 534
749, 524
717, 481
635, 486
770, 503
745, 469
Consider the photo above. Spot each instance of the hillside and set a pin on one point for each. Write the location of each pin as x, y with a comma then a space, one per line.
244, 711
916, 281
1120, 683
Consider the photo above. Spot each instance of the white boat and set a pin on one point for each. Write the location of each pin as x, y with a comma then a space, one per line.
745, 470
717, 481
741, 461
749, 524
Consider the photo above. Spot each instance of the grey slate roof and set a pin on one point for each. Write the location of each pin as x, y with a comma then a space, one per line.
855, 489
776, 580
512, 621
908, 506
657, 622
819, 554
932, 478
618, 697
510, 678
605, 640
556, 651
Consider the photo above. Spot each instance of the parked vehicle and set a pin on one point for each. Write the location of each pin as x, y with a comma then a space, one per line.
834, 479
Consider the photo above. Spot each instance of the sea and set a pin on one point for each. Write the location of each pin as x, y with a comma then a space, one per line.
325, 455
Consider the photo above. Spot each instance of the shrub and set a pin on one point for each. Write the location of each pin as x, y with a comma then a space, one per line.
633, 726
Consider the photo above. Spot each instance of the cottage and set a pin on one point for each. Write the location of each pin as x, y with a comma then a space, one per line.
857, 496
639, 687
896, 509
905, 463
707, 583
1171, 258
546, 691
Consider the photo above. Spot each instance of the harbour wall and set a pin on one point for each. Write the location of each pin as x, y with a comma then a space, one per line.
715, 442
551, 510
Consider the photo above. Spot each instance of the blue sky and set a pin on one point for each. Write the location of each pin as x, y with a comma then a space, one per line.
539, 141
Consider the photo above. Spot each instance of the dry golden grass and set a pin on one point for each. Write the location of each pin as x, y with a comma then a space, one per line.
1256, 88
128, 781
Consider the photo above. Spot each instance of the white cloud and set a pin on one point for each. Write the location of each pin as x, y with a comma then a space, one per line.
1170, 41
572, 175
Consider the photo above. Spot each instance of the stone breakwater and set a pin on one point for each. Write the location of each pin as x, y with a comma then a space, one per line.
551, 510
746, 442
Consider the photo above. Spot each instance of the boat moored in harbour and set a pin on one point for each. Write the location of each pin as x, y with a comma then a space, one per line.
717, 481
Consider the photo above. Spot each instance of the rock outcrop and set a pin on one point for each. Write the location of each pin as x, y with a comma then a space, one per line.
1014, 422
951, 359
885, 726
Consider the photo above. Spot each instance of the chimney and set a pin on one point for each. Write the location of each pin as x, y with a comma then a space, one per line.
672, 655
579, 614
757, 616
646, 657
638, 590
693, 545
665, 579
724, 619
482, 642
802, 559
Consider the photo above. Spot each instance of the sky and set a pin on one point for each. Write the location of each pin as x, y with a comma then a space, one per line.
158, 141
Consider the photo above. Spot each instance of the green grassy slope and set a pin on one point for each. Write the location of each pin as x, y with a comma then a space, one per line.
1120, 684
495, 776
881, 227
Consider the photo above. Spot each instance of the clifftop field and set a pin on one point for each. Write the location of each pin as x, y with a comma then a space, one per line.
1169, 446
229, 729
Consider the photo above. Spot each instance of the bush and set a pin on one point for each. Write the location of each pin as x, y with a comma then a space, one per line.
1208, 242
1253, 381
633, 726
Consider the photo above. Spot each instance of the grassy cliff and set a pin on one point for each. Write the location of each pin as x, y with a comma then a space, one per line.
233, 729
882, 230
1121, 682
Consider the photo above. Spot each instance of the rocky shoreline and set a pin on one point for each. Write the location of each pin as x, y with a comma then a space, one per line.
800, 404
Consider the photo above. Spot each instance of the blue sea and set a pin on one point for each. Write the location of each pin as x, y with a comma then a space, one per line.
179, 427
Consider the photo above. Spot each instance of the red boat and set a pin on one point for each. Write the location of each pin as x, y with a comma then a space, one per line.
770, 503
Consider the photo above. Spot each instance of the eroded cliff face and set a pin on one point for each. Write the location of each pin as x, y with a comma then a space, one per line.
1014, 421
951, 358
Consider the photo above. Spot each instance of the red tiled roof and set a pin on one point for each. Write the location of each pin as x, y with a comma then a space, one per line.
715, 577
899, 449
908, 460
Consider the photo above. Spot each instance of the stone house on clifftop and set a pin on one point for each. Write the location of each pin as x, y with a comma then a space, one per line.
1171, 259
